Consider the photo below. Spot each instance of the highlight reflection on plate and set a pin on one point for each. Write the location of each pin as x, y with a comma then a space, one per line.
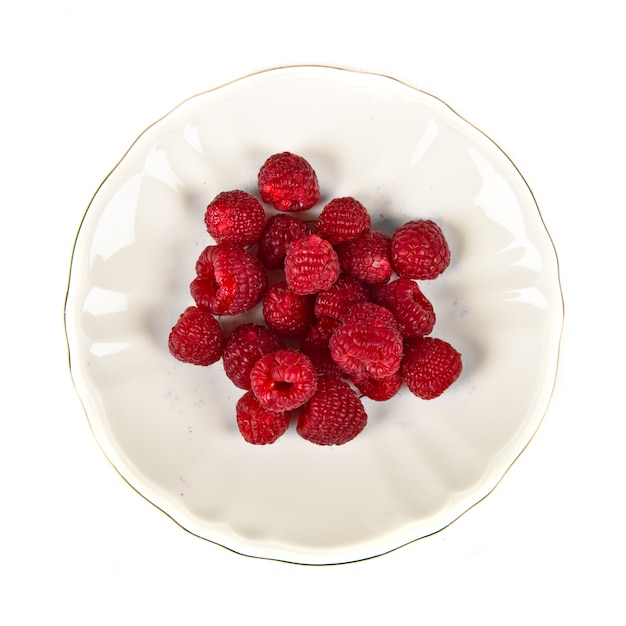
169, 429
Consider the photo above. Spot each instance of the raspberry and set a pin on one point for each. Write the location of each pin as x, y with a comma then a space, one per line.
285, 312
338, 328
333, 416
196, 337
245, 346
336, 300
288, 181
413, 311
283, 380
315, 346
378, 314
379, 389
229, 280
419, 250
368, 257
429, 366
279, 232
235, 217
343, 219
311, 265
257, 424
368, 343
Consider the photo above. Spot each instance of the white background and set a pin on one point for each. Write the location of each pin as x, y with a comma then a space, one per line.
81, 80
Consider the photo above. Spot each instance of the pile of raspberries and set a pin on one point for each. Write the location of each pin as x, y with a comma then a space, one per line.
344, 315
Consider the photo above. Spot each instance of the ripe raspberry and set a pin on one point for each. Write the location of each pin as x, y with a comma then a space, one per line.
196, 337
279, 233
333, 416
429, 366
229, 280
368, 343
285, 312
343, 219
413, 311
368, 257
379, 314
288, 181
283, 380
245, 346
419, 250
235, 217
311, 265
315, 346
257, 424
336, 300
381, 389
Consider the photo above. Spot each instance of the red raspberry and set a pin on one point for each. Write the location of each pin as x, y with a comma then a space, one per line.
419, 250
413, 311
379, 314
279, 232
315, 346
429, 366
257, 424
196, 337
229, 280
368, 257
343, 219
285, 312
333, 416
235, 217
381, 389
288, 182
336, 300
283, 380
311, 265
245, 346
368, 343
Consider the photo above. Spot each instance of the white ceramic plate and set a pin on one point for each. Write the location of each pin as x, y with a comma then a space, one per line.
169, 428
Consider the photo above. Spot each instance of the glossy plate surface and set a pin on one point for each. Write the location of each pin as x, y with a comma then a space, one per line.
169, 428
